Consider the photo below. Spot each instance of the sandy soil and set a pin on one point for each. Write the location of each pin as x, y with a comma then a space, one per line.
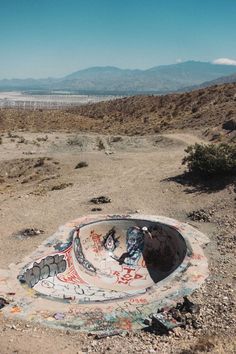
136, 173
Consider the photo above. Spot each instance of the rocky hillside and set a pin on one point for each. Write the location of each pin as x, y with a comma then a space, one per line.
204, 108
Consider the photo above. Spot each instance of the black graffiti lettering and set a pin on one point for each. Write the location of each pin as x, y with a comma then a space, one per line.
80, 256
48, 267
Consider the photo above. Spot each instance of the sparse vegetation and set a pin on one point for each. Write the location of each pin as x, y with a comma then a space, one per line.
211, 160
101, 145
75, 141
209, 107
58, 187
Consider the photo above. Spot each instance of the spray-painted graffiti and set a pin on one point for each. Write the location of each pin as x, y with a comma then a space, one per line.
47, 267
91, 263
96, 241
127, 275
135, 245
80, 255
110, 241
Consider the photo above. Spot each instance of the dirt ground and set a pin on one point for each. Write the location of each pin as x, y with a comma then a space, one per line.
41, 188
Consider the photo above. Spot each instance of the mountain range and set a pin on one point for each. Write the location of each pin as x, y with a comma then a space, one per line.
160, 79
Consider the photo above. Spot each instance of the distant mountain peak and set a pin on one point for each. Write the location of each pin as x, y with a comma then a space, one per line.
159, 79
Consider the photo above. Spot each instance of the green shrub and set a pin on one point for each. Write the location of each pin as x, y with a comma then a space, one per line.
211, 160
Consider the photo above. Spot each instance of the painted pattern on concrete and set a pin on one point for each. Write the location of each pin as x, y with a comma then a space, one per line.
106, 273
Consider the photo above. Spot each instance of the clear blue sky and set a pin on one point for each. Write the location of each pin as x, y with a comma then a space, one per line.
40, 38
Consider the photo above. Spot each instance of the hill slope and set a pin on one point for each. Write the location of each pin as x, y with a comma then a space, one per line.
145, 114
221, 80
198, 109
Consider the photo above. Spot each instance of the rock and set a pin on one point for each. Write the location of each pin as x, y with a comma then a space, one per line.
81, 164
229, 124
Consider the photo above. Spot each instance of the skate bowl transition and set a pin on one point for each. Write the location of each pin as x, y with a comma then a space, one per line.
106, 273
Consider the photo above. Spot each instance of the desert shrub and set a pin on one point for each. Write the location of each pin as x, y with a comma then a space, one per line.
0, 140
75, 140
101, 145
211, 160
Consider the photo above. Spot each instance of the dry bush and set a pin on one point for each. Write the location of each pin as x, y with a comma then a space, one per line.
211, 160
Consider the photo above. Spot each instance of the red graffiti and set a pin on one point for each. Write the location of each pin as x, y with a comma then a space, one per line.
70, 275
138, 301
96, 241
127, 275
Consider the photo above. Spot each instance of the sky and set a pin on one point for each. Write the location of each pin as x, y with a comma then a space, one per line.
53, 38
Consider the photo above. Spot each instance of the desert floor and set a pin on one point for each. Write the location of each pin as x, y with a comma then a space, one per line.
137, 173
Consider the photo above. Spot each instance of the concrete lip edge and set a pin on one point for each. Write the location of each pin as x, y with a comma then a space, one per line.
119, 312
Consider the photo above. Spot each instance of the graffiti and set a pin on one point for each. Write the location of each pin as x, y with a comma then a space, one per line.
134, 245
48, 267
104, 274
80, 255
110, 241
127, 275
96, 241
70, 275
138, 301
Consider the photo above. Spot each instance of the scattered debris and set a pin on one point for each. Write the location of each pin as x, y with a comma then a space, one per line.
96, 209
3, 302
26, 233
81, 164
200, 215
100, 200
181, 315
163, 322
188, 306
